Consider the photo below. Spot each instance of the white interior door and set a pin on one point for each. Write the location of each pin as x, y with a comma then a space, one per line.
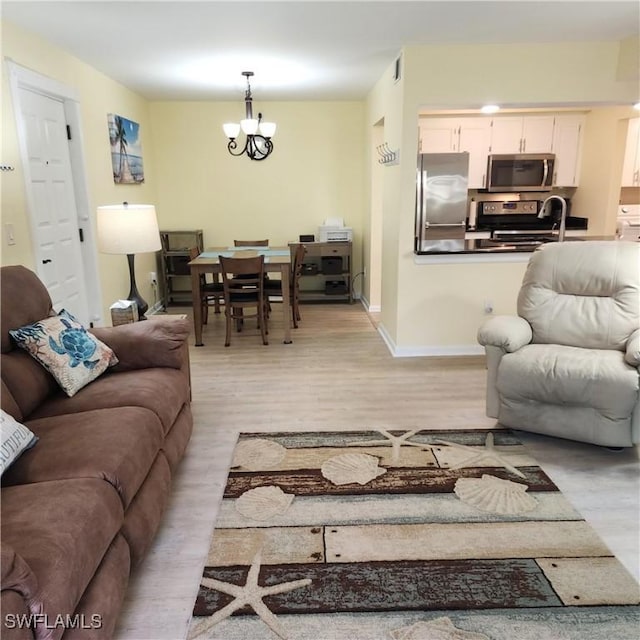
54, 213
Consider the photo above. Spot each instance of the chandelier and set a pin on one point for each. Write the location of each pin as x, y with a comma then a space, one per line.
258, 134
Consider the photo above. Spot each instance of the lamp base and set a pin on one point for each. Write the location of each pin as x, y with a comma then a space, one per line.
134, 294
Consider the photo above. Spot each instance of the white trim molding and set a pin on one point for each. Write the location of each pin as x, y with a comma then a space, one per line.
430, 350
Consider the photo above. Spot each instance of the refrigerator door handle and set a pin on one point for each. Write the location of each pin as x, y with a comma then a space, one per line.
423, 177
418, 229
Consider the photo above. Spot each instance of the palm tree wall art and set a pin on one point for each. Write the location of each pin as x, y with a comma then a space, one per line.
126, 150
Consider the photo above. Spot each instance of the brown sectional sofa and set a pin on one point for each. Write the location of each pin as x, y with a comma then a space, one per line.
81, 507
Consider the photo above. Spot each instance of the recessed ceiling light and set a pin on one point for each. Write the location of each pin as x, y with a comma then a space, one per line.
490, 108
636, 106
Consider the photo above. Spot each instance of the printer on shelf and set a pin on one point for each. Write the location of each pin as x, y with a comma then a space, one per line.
333, 230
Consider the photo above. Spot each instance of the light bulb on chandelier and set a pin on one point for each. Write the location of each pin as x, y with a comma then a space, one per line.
258, 144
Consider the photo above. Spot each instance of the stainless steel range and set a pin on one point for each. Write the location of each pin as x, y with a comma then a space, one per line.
519, 216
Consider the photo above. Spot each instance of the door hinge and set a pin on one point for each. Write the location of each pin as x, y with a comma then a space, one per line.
81, 233
68, 132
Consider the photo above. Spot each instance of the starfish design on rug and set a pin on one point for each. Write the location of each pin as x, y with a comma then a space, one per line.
487, 452
250, 593
395, 441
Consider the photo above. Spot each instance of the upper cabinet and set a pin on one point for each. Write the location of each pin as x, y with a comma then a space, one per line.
439, 135
560, 134
457, 135
522, 134
475, 138
567, 145
631, 166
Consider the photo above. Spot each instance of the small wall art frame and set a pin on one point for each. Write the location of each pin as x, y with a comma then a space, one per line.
126, 150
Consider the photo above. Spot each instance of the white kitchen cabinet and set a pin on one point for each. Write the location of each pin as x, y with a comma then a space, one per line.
567, 146
522, 134
631, 166
439, 135
457, 135
475, 138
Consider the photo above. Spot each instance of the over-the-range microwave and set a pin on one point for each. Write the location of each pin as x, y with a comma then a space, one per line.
520, 172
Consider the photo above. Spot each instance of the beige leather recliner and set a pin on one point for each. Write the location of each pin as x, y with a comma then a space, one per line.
568, 364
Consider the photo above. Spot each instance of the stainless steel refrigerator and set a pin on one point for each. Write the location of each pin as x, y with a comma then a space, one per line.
441, 201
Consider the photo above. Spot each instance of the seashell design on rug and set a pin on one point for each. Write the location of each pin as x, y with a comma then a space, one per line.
255, 454
495, 494
348, 468
264, 503
436, 629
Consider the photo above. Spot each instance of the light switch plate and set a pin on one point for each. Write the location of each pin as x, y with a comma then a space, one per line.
8, 228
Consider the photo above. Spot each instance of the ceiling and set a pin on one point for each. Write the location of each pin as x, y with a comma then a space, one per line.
298, 49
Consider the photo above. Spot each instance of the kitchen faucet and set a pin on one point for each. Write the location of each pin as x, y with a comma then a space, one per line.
563, 214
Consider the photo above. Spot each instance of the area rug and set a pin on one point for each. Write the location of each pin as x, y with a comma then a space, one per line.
404, 535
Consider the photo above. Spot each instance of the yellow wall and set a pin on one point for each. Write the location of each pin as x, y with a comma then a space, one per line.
602, 157
441, 306
98, 95
316, 171
384, 110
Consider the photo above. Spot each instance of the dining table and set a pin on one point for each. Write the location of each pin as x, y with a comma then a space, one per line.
276, 260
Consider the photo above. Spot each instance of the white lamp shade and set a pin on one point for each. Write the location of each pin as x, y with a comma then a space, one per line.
231, 129
128, 228
249, 126
267, 129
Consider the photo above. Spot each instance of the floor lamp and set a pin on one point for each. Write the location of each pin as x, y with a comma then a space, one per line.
129, 229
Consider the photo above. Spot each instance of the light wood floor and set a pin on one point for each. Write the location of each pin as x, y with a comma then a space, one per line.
337, 374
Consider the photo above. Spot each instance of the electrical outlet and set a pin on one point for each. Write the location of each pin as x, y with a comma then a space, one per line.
153, 277
488, 307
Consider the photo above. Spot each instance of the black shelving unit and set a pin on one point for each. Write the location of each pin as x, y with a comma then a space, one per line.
174, 274
326, 272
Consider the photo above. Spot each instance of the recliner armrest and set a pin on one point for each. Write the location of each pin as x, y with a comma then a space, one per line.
507, 332
632, 353
160, 342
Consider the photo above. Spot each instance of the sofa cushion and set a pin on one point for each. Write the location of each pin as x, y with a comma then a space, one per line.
117, 445
63, 536
65, 349
104, 594
555, 374
25, 299
16, 573
28, 382
160, 390
9, 404
14, 439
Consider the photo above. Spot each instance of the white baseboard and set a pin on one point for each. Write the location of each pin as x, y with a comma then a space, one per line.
429, 350
371, 308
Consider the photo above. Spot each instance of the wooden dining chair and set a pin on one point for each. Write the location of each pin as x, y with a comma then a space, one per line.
274, 287
256, 243
243, 283
212, 293
251, 243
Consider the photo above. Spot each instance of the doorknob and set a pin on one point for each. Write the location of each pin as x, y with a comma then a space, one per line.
46, 261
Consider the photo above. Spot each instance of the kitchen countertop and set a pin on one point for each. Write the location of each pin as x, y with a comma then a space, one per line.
489, 247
